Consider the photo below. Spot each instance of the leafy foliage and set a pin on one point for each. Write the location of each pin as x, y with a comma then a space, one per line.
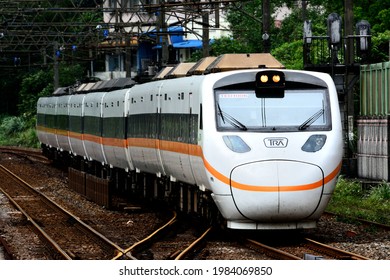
18, 131
228, 45
246, 25
34, 86
40, 84
290, 55
286, 42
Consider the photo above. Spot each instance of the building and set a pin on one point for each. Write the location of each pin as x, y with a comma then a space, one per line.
142, 35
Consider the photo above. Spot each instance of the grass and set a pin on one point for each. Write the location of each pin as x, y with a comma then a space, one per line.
18, 131
371, 203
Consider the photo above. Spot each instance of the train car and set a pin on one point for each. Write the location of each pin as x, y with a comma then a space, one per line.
265, 144
282, 145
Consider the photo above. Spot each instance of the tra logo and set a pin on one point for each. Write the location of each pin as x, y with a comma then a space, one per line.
276, 142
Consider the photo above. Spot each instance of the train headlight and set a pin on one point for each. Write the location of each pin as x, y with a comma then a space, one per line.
314, 143
270, 84
236, 144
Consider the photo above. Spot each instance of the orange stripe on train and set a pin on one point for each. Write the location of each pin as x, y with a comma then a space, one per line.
196, 150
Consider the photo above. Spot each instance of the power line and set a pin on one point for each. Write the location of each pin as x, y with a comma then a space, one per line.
27, 25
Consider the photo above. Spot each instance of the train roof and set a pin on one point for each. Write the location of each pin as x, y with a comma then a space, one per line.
61, 91
237, 61
201, 66
225, 62
180, 70
162, 73
207, 65
106, 85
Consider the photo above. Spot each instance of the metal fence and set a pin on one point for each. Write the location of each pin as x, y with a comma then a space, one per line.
373, 148
93, 188
373, 125
374, 89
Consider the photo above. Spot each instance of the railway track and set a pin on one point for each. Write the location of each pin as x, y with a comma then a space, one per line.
147, 241
178, 245
172, 252
332, 251
358, 221
305, 249
28, 154
70, 237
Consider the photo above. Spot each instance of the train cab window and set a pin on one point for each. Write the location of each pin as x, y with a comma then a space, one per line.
298, 110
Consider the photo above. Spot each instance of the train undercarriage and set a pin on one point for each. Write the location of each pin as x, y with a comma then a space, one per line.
118, 189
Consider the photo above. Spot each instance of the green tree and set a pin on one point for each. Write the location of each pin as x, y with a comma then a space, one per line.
34, 86
245, 21
228, 45
40, 84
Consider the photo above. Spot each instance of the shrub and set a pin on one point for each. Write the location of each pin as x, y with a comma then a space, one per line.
18, 131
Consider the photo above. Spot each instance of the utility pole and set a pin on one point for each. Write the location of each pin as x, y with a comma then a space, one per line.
266, 26
304, 10
349, 57
56, 81
205, 34
162, 34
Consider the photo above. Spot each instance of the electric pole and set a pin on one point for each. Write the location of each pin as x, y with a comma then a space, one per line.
266, 26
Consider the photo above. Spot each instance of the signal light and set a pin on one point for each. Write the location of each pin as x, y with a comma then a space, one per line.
270, 84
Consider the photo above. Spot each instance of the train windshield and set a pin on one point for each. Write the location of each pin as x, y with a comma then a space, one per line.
298, 110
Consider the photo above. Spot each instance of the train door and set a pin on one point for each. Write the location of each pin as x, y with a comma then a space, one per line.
157, 103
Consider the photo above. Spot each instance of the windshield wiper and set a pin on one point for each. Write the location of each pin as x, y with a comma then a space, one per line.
230, 120
311, 120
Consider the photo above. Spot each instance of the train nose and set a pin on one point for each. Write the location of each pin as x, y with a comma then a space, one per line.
276, 190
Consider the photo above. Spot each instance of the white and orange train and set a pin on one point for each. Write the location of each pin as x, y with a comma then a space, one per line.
266, 144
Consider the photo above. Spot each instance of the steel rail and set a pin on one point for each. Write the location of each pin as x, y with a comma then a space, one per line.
332, 251
127, 252
273, 252
193, 245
